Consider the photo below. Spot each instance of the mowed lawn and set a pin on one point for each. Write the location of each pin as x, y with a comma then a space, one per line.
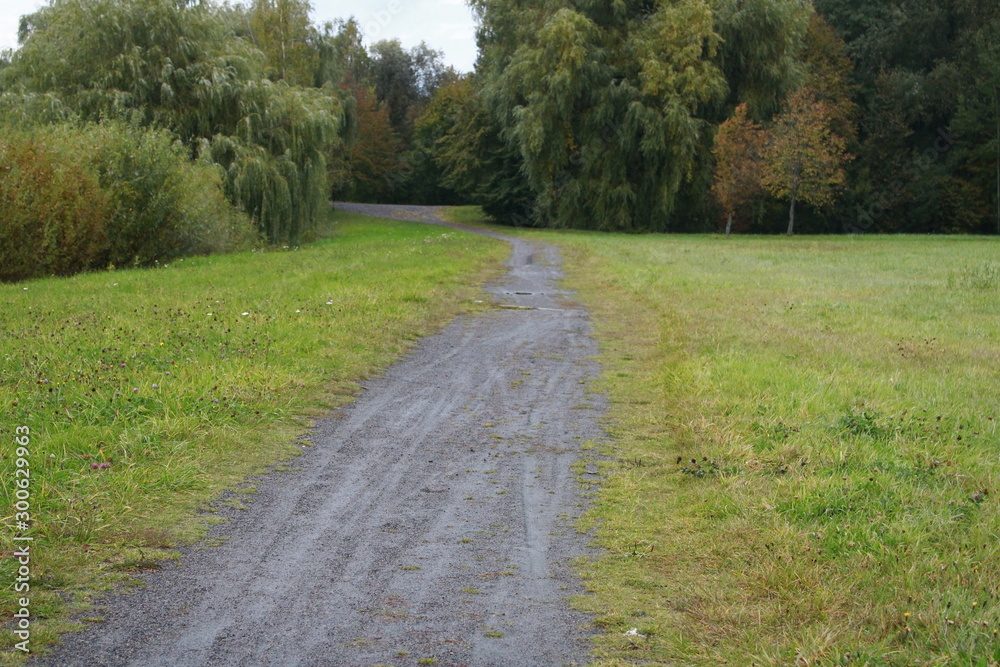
148, 392
804, 463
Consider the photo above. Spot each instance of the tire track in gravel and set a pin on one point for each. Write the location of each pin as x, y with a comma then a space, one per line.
431, 519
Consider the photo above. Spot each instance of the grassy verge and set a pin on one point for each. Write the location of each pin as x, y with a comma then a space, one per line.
464, 215
148, 392
804, 467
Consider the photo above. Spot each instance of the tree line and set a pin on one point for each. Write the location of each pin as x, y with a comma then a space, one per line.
868, 115
639, 115
135, 131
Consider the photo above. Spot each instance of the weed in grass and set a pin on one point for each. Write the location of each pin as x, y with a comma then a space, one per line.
984, 276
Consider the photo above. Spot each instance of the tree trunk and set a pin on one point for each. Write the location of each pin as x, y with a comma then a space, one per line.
282, 34
791, 217
729, 225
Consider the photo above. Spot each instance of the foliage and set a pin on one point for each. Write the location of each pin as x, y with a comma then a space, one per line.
425, 184
53, 212
978, 117
182, 66
804, 160
762, 41
276, 165
478, 163
342, 54
609, 111
906, 85
916, 65
392, 88
738, 150
150, 58
89, 196
282, 31
828, 72
161, 206
368, 168
405, 81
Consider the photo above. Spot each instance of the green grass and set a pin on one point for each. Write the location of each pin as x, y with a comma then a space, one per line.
464, 215
803, 466
148, 392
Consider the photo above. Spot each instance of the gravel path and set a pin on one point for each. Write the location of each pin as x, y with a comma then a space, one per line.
431, 519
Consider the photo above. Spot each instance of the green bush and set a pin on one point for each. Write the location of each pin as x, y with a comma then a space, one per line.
162, 205
80, 197
52, 212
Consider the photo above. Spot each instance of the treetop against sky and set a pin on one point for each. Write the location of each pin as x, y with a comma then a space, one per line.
446, 25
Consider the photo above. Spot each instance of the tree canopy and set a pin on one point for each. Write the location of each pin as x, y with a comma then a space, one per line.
620, 116
606, 112
185, 67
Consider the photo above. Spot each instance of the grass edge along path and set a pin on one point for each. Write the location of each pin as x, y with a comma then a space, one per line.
150, 392
803, 462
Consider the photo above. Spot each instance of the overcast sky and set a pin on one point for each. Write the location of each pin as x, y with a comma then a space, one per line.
446, 25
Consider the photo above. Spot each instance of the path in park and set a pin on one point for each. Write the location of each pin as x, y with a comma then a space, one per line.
432, 518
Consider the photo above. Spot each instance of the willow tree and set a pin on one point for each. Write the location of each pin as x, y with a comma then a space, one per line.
180, 65
609, 107
762, 41
605, 116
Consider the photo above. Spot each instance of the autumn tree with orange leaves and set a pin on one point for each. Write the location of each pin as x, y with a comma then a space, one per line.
804, 158
738, 147
365, 170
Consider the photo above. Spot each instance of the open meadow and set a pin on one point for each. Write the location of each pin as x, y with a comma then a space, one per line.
804, 457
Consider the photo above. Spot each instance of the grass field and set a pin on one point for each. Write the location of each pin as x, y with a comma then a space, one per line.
804, 449
805, 457
149, 392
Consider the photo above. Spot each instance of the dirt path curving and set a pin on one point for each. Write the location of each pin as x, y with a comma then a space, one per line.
431, 520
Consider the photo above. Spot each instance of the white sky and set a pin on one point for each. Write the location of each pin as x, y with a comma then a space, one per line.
446, 25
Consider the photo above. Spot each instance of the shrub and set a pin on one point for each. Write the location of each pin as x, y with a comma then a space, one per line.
161, 204
80, 197
52, 212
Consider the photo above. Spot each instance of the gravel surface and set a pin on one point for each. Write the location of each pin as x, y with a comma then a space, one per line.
432, 518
